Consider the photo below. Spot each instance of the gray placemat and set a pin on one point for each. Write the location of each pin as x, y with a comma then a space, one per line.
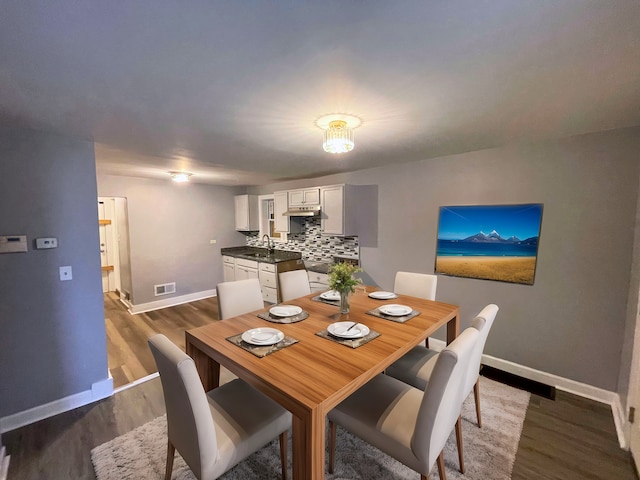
353, 343
335, 303
275, 319
377, 313
261, 350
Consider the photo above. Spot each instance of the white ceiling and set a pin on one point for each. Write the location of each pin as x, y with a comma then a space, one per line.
230, 90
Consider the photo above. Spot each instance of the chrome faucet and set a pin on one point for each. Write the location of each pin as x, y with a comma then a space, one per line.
270, 247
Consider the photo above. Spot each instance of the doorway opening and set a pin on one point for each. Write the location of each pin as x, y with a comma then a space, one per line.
114, 247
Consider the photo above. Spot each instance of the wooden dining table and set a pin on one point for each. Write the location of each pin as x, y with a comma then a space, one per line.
312, 376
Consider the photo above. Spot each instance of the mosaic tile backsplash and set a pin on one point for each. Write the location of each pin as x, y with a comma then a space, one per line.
313, 245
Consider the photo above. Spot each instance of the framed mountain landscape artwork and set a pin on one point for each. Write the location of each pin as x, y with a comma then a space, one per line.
490, 242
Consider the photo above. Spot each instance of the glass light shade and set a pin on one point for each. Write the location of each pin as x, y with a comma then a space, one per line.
338, 138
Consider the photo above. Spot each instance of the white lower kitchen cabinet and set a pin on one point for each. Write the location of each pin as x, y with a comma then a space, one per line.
237, 268
246, 269
268, 282
228, 268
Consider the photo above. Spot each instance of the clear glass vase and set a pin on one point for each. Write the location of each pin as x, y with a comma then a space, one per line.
344, 301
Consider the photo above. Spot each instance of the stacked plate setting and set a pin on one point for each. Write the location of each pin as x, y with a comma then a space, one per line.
285, 310
380, 295
263, 336
331, 295
348, 330
395, 310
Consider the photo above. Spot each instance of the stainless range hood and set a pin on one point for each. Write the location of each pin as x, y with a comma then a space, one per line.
308, 211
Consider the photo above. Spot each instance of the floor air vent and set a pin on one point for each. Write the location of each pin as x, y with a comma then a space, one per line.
165, 288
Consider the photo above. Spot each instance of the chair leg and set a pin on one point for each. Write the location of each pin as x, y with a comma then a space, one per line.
476, 396
440, 462
459, 443
426, 342
171, 452
283, 454
332, 445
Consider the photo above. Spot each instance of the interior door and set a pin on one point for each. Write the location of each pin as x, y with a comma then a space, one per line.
634, 394
103, 246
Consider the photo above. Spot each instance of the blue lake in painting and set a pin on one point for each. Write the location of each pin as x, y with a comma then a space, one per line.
456, 248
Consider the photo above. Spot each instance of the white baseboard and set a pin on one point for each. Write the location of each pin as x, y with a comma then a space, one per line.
561, 383
171, 302
98, 391
136, 382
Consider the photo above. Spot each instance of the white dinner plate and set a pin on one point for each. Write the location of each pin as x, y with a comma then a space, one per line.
262, 336
383, 295
395, 310
331, 295
285, 310
339, 329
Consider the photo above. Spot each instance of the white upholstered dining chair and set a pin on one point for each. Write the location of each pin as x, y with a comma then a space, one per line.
421, 285
241, 296
214, 431
407, 423
416, 367
294, 284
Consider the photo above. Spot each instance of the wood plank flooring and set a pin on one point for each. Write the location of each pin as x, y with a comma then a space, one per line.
570, 438
567, 438
129, 356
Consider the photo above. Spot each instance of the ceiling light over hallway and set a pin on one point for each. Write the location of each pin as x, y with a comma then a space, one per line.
180, 176
338, 132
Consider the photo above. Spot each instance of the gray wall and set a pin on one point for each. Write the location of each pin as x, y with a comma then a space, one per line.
52, 335
170, 226
571, 322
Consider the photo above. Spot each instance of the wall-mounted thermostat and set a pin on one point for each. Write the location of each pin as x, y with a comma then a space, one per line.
13, 244
46, 243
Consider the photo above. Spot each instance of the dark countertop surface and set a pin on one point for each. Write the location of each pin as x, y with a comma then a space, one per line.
260, 254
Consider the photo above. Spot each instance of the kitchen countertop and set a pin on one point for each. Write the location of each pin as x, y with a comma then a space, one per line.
260, 254
318, 267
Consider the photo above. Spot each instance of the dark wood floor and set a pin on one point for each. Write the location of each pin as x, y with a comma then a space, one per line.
566, 438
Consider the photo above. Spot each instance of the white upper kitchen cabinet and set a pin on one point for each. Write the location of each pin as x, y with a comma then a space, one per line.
247, 213
304, 197
348, 210
332, 214
280, 206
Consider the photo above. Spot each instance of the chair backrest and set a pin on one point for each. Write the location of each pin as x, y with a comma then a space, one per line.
483, 323
443, 398
294, 284
420, 285
189, 422
241, 296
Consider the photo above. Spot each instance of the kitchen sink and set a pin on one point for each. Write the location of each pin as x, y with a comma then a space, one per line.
257, 254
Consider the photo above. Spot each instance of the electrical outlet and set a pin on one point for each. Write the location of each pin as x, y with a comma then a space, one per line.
213, 242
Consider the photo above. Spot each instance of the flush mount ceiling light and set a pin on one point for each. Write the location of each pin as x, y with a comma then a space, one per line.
180, 176
338, 132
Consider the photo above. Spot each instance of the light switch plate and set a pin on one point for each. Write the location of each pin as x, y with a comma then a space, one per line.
66, 273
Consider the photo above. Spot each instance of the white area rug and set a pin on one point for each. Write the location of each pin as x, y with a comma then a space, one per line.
489, 451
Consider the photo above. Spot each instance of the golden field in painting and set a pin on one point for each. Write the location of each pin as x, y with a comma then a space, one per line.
504, 269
